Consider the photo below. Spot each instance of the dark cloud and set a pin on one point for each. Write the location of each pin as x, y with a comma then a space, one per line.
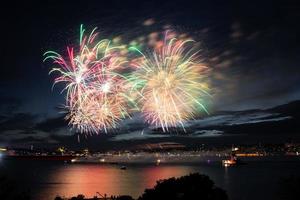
222, 124
31, 140
51, 124
18, 128
27, 129
9, 104
20, 121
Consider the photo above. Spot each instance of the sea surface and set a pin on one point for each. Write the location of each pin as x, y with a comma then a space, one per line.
46, 179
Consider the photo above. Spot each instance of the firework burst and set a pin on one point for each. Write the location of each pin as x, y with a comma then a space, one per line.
170, 84
96, 92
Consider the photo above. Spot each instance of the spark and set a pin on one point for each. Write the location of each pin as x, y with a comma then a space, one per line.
95, 89
170, 84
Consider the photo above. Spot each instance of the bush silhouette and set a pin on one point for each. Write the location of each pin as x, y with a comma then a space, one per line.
79, 197
124, 197
193, 186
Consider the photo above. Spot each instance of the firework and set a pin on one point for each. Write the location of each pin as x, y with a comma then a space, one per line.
96, 92
170, 84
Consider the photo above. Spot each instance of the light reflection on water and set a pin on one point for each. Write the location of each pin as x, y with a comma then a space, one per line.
48, 179
111, 180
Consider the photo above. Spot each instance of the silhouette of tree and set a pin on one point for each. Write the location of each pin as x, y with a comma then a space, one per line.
58, 198
193, 186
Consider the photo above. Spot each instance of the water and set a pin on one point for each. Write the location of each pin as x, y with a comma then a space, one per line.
46, 179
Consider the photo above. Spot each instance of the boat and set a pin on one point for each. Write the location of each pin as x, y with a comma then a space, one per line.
228, 163
123, 167
233, 161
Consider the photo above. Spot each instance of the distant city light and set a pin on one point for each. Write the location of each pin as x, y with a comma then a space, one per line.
158, 161
3, 149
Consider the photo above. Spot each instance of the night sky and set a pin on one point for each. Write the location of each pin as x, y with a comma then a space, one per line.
252, 48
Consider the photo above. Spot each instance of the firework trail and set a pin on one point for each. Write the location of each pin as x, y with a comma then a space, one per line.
170, 84
96, 91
